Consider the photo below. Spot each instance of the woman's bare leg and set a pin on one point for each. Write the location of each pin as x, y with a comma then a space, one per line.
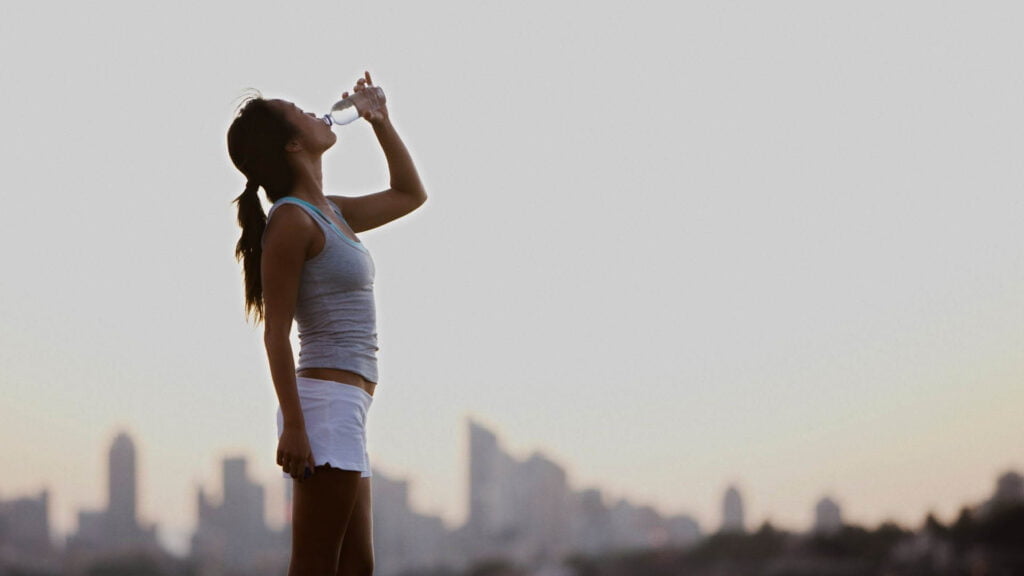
356, 558
321, 507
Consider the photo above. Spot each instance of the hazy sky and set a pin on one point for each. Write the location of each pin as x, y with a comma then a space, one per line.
673, 246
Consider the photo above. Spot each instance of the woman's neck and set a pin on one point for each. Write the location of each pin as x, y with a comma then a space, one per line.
309, 182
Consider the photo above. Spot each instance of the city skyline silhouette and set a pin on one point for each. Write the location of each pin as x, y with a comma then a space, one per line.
122, 494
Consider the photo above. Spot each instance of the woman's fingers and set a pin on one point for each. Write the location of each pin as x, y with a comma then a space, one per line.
297, 467
288, 463
361, 84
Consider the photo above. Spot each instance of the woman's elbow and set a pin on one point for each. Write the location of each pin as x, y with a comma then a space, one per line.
275, 337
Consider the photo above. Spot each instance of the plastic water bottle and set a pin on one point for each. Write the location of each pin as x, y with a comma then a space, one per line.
349, 109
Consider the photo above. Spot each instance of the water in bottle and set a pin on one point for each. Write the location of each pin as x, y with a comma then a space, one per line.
349, 109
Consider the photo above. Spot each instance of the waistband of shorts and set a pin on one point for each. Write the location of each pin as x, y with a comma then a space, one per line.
337, 387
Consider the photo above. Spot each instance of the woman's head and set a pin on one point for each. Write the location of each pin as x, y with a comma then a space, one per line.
311, 136
268, 142
257, 143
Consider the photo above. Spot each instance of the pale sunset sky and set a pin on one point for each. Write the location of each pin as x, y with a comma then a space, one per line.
673, 246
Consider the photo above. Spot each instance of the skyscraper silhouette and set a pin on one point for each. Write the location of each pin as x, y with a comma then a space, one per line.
121, 490
828, 518
732, 511
233, 535
116, 529
488, 469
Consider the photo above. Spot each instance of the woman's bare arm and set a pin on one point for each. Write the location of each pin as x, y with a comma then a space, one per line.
406, 192
285, 245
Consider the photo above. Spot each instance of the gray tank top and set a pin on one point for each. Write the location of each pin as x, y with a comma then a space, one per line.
335, 311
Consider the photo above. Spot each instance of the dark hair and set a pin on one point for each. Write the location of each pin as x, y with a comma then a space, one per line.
256, 143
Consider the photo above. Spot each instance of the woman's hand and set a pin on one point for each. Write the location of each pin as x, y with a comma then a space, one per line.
293, 453
376, 111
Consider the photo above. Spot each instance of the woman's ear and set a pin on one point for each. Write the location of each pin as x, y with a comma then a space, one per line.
293, 145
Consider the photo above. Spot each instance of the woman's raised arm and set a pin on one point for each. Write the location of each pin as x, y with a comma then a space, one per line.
406, 192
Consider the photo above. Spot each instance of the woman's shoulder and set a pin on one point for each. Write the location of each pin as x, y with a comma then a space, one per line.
288, 205
291, 223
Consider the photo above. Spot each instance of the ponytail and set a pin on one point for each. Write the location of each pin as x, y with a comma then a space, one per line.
249, 249
256, 143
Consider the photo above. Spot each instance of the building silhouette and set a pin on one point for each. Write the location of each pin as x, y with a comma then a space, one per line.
517, 509
404, 539
526, 512
115, 530
233, 536
732, 511
828, 518
541, 509
490, 499
122, 491
591, 522
25, 533
624, 525
683, 530
1009, 491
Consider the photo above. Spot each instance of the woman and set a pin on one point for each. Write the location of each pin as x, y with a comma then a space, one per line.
304, 262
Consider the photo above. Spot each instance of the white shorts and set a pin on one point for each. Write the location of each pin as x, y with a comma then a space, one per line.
335, 415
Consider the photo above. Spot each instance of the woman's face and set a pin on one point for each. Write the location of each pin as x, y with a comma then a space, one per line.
311, 132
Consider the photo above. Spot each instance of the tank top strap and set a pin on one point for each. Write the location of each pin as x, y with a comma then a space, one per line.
313, 210
340, 215
319, 216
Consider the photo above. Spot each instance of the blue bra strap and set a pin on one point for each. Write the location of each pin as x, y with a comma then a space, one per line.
301, 202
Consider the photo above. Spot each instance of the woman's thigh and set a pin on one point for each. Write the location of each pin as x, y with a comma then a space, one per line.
356, 558
321, 508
